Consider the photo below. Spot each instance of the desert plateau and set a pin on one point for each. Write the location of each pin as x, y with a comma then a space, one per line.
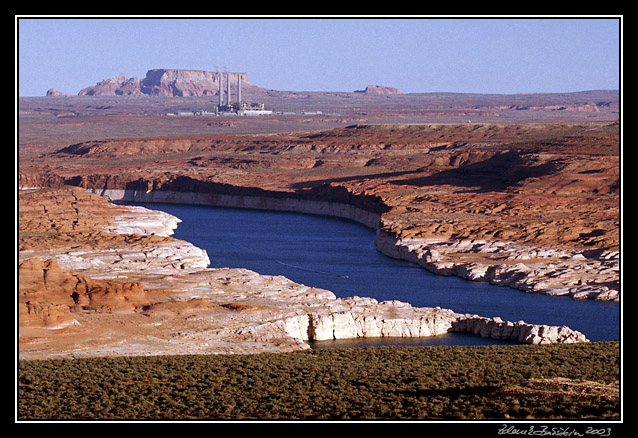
522, 191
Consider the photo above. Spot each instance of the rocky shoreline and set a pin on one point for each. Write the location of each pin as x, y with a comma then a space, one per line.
580, 274
358, 317
532, 206
184, 307
469, 323
547, 271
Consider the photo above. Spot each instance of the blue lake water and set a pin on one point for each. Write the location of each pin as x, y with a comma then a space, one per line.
339, 255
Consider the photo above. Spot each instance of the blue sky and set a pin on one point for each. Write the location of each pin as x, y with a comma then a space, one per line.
415, 55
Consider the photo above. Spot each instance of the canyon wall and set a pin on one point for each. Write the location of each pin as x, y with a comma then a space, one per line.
529, 268
365, 318
580, 274
325, 208
90, 288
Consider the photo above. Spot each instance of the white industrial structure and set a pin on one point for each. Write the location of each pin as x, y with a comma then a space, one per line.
239, 108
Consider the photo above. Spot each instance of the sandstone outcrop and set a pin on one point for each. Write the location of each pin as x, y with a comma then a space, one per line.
87, 234
533, 207
544, 270
48, 295
115, 86
168, 82
364, 317
72, 210
52, 92
132, 294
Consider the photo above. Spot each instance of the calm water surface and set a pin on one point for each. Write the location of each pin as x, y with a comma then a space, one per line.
339, 255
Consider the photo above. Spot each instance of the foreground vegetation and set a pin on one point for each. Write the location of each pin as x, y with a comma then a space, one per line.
576, 381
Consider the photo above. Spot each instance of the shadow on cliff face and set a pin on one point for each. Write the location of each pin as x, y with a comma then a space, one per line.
324, 192
496, 173
193, 185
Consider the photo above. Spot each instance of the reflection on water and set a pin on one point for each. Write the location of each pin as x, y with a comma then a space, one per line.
339, 255
446, 339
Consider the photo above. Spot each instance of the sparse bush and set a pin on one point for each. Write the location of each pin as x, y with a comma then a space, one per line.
447, 383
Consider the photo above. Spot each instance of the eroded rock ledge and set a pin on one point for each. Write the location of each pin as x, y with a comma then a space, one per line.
580, 274
144, 294
528, 206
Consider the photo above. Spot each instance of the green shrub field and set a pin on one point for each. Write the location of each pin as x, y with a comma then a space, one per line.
575, 381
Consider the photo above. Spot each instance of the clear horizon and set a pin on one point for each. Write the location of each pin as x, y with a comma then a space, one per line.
414, 55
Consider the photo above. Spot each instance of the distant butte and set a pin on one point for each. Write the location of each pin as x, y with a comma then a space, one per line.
165, 82
378, 89
52, 92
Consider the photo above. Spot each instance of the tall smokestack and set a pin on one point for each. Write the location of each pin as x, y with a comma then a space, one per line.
238, 88
228, 84
221, 89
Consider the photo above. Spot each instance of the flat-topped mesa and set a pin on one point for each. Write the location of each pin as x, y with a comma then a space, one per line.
378, 89
169, 82
172, 82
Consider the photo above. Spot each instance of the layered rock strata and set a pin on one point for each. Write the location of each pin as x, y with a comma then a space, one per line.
167, 82
530, 268
132, 294
531, 206
364, 317
49, 295
545, 270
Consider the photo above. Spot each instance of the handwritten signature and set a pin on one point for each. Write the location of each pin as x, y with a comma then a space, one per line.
554, 431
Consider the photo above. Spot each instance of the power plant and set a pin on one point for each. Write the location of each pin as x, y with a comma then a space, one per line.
239, 108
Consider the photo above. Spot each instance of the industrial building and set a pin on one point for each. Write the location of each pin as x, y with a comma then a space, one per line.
239, 108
